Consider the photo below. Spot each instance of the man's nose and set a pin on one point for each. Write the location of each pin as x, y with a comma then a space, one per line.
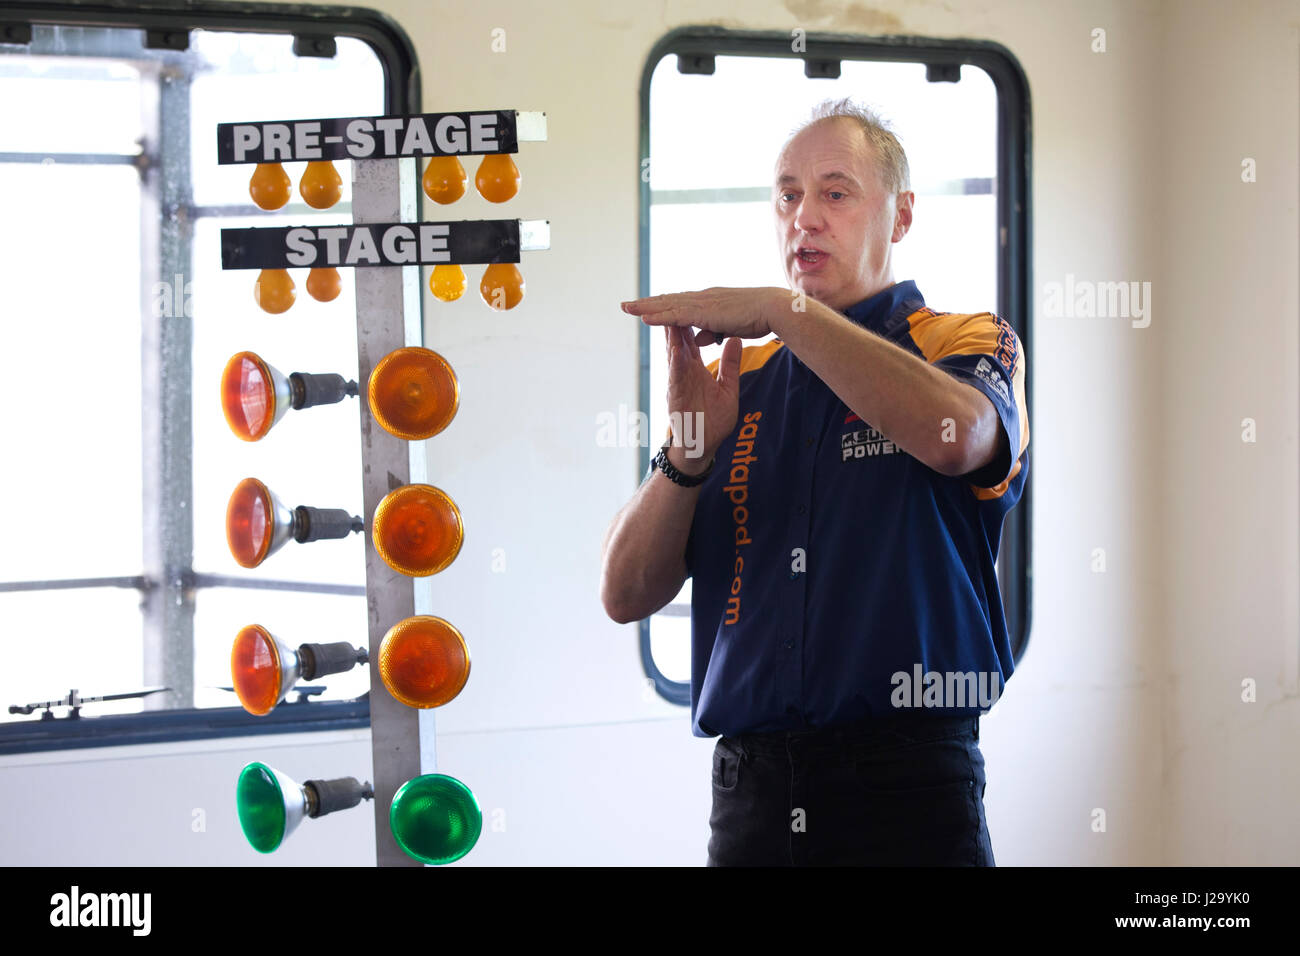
808, 216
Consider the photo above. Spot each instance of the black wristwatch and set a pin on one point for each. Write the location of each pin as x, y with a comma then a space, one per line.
661, 462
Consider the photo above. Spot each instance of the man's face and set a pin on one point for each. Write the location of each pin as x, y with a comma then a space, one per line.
831, 204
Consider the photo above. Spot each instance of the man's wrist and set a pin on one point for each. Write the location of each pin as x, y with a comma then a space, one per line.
776, 311
688, 465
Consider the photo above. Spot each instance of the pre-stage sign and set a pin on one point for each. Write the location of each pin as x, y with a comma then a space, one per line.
368, 137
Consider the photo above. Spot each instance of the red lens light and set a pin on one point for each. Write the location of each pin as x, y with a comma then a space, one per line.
417, 530
249, 522
424, 661
248, 396
413, 393
255, 670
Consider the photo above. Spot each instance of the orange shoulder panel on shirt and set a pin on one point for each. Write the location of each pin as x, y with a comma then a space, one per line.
943, 334
751, 356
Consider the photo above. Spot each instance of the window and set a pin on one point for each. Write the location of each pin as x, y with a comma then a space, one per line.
121, 463
716, 109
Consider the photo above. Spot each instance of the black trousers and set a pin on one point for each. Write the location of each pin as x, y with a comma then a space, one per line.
905, 790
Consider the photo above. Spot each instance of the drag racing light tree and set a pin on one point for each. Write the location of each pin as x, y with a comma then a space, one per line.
263, 669
255, 394
271, 805
258, 524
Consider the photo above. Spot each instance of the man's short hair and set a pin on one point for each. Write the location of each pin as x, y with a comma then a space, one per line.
891, 161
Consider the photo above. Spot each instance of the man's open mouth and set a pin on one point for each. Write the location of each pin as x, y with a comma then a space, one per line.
809, 255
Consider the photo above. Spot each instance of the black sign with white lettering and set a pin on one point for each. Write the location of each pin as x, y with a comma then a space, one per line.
368, 137
375, 244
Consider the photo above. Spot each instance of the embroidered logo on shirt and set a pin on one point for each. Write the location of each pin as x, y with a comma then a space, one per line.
865, 443
985, 371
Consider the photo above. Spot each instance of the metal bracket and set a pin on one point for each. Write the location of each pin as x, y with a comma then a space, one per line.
17, 33
306, 44
166, 40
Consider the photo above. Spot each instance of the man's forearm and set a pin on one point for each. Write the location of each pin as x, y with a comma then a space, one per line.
902, 395
643, 563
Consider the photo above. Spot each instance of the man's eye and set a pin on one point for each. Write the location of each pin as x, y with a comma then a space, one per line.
786, 196
836, 193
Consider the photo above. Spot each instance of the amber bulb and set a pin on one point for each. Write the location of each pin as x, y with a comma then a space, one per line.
250, 517
447, 282
273, 290
270, 186
320, 184
324, 285
444, 179
417, 530
497, 178
413, 393
248, 396
424, 661
502, 286
255, 670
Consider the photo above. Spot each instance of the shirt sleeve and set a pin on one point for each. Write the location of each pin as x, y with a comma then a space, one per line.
985, 353
690, 551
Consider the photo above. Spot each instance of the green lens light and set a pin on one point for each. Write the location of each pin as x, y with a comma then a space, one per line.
435, 818
261, 807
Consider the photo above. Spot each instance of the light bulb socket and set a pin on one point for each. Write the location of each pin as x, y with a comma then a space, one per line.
308, 389
317, 660
342, 793
319, 524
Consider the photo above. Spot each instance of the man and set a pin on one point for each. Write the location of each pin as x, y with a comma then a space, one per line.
841, 526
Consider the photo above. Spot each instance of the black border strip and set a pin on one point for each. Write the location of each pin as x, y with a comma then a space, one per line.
1015, 266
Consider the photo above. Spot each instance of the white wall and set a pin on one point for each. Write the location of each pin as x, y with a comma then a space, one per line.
1128, 698
1230, 779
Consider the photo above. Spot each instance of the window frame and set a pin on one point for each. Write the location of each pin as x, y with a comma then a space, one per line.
1013, 216
313, 28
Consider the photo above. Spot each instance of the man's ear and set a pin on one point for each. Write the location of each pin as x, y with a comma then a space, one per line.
903, 215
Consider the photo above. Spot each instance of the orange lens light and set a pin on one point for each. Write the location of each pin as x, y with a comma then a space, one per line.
319, 186
250, 520
269, 186
255, 669
424, 661
273, 290
502, 286
444, 179
413, 393
447, 282
324, 284
497, 178
417, 530
248, 396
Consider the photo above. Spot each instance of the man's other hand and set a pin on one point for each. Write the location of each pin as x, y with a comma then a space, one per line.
717, 312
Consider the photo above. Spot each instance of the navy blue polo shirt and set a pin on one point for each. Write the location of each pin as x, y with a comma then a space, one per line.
835, 578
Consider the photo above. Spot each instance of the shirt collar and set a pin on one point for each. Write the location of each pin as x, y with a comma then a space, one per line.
884, 311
